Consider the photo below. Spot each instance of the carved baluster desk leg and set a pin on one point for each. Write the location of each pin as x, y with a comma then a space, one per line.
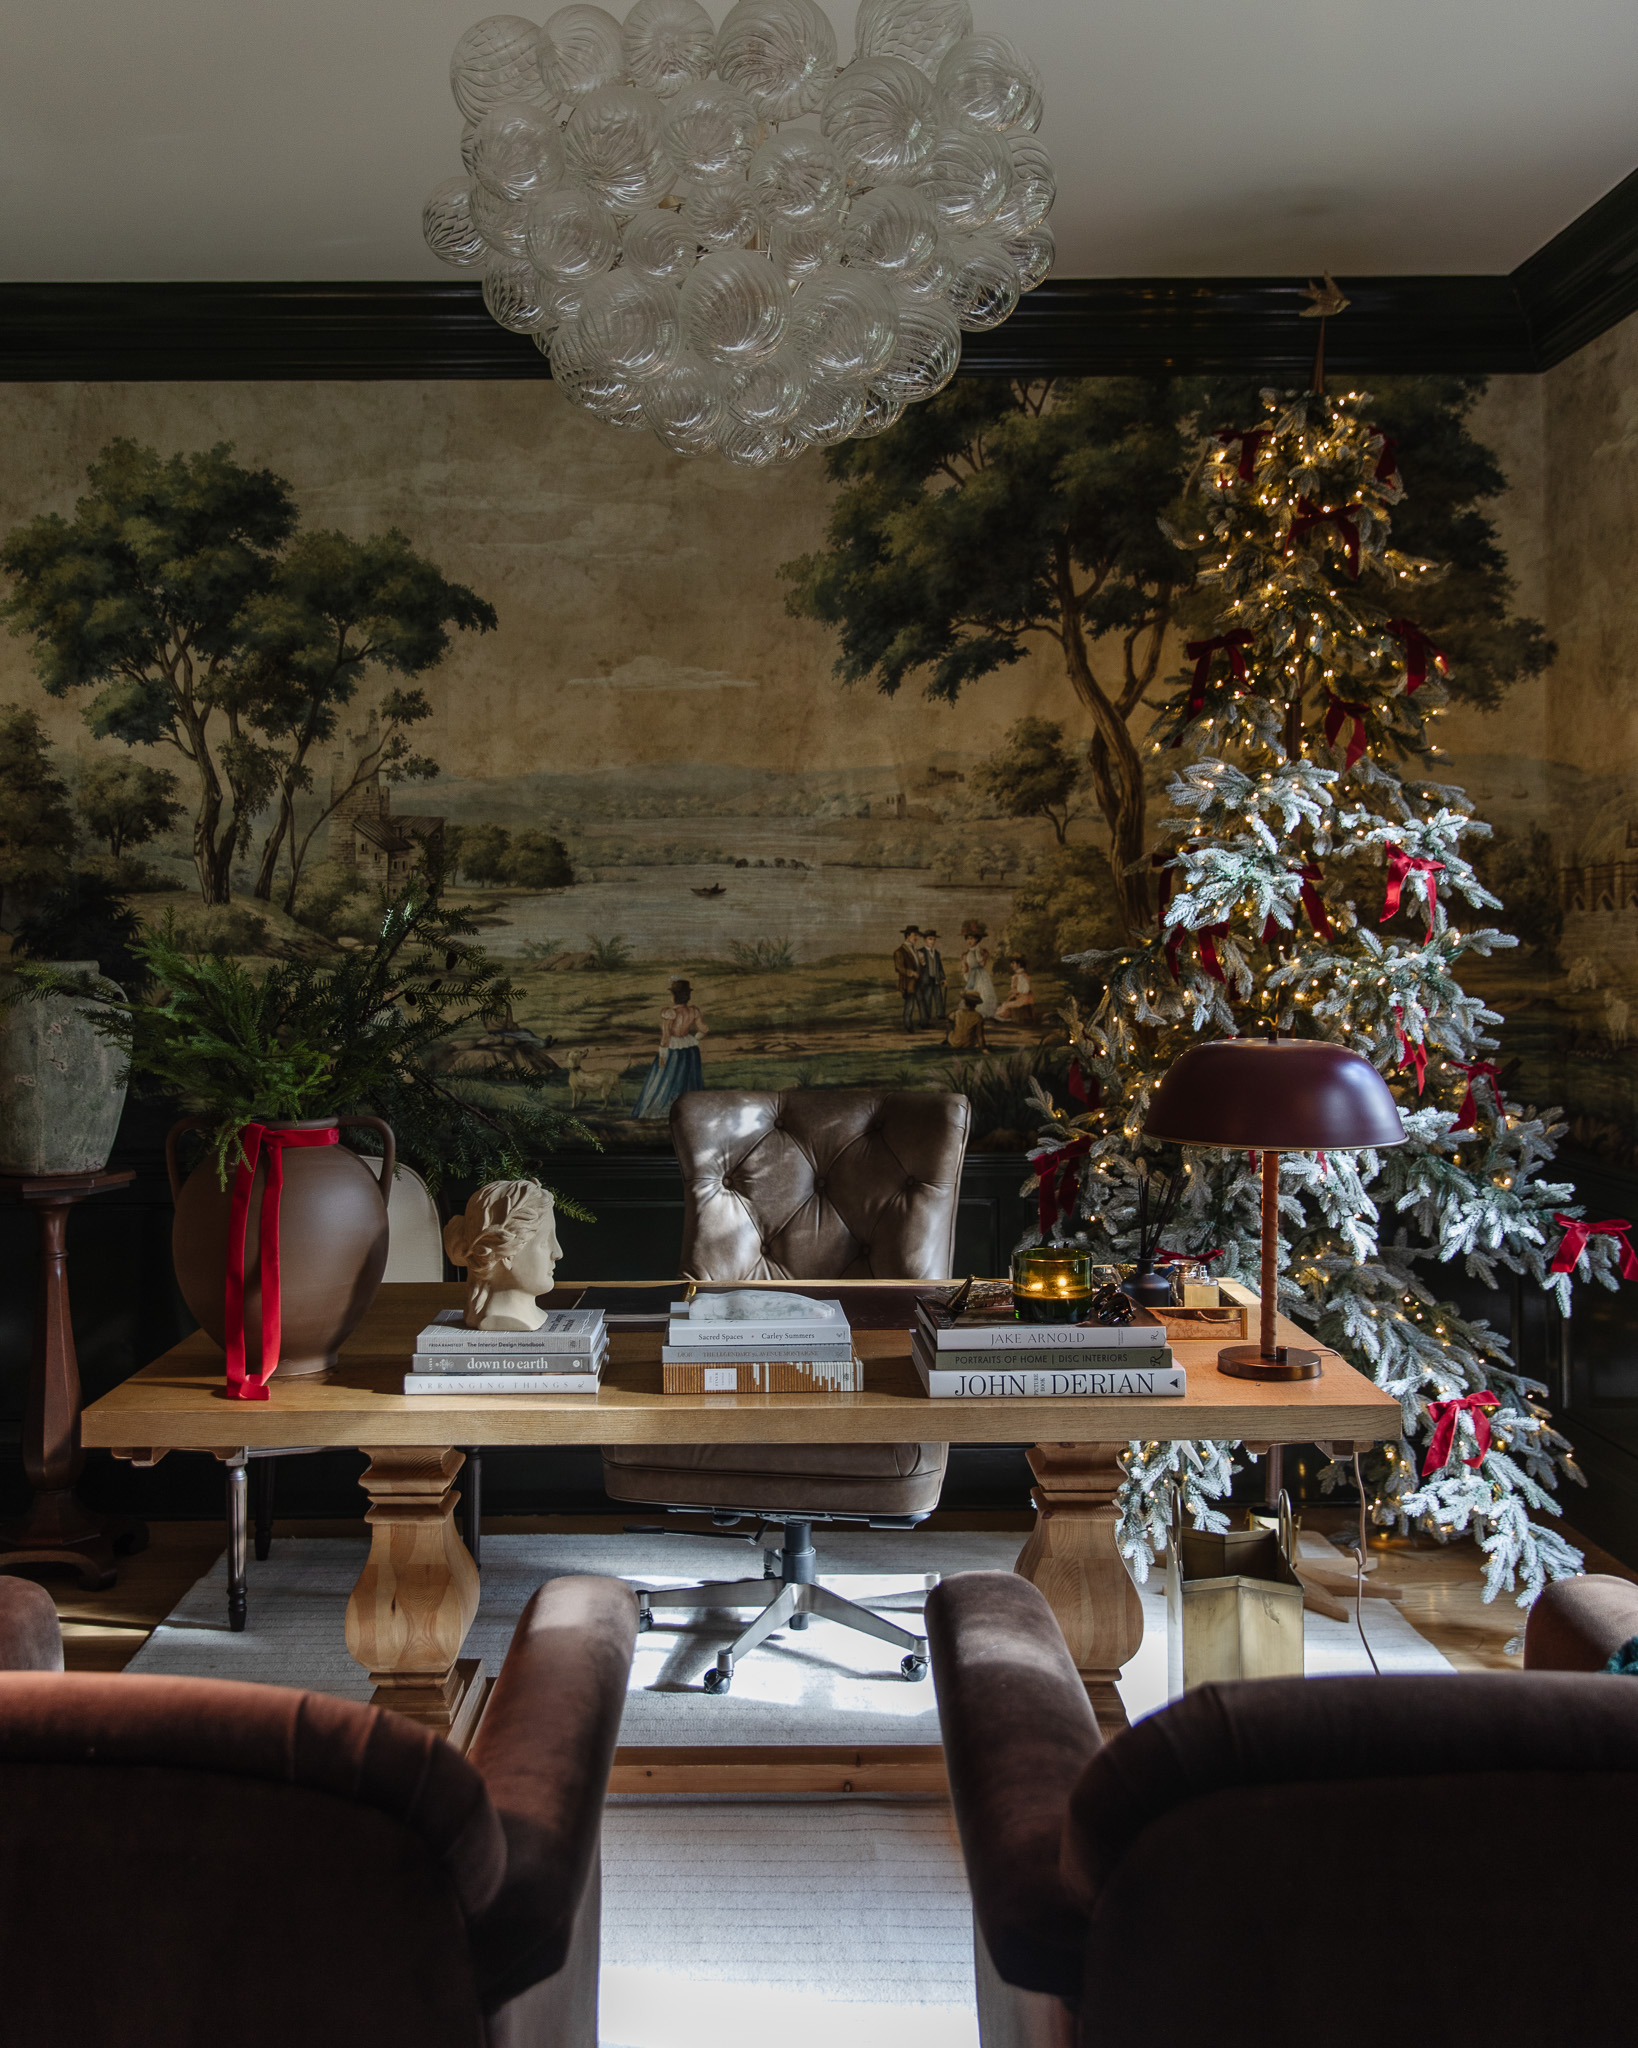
417, 1594
1074, 1559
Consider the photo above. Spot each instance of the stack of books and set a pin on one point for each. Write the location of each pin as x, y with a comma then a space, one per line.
983, 1354
564, 1356
807, 1353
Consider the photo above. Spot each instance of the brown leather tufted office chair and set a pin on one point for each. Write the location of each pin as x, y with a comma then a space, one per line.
814, 1184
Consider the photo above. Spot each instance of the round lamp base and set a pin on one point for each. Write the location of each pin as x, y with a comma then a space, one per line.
1247, 1362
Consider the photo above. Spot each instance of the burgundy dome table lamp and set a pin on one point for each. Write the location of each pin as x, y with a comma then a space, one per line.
1273, 1095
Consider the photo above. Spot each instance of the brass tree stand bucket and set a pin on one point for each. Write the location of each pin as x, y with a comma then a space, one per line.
1233, 1605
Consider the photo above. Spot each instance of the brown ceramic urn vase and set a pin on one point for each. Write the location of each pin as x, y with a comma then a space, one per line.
332, 1242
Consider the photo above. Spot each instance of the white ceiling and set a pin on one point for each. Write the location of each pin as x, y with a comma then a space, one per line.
167, 139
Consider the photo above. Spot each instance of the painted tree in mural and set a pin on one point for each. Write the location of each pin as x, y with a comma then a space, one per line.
1001, 513
1036, 776
181, 595
1318, 878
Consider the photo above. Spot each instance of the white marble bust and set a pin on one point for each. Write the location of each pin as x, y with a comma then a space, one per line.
507, 1241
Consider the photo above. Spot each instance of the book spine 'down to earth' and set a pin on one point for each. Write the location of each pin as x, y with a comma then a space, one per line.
1040, 1381
763, 1376
474, 1365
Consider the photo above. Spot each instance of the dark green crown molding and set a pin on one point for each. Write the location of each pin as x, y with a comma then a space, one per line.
1573, 289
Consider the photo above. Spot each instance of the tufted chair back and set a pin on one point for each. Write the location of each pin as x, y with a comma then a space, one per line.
820, 1183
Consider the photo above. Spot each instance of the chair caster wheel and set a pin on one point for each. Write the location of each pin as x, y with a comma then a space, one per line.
797, 1621
913, 1667
717, 1680
645, 1620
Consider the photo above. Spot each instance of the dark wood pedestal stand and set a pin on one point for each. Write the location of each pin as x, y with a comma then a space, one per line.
56, 1529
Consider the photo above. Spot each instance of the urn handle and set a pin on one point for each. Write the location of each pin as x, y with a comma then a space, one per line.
172, 1136
389, 1146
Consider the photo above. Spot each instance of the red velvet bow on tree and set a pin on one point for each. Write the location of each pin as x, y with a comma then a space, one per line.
1387, 463
1312, 902
1089, 1093
1250, 441
1419, 650
1477, 1070
1443, 1416
1576, 1234
1339, 710
1200, 653
1207, 937
254, 1139
1414, 1055
1401, 865
1054, 1178
1310, 516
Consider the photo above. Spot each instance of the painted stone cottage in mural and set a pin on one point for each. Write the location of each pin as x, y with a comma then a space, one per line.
365, 837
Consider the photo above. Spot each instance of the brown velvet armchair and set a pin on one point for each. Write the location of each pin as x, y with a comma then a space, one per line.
1234, 1868
193, 1861
813, 1184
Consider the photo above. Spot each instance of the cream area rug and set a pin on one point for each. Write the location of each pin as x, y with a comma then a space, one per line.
826, 1685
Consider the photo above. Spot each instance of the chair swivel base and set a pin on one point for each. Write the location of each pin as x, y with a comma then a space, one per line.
785, 1604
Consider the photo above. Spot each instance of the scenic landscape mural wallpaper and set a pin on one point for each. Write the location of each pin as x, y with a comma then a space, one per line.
604, 683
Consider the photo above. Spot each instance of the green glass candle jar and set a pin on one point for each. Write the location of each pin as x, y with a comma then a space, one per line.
1051, 1283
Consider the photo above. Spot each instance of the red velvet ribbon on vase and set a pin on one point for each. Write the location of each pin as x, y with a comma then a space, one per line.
254, 1140
1401, 866
1054, 1173
1576, 1234
1310, 517
1419, 650
1200, 653
1443, 1414
1250, 441
1477, 1070
1339, 710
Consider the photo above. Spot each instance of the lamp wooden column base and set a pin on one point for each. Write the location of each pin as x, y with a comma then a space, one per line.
1251, 1362
418, 1593
1075, 1560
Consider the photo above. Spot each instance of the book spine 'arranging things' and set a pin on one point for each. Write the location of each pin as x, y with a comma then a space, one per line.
1048, 1380
468, 1383
764, 1376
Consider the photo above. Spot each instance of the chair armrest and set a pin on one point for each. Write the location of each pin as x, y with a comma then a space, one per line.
544, 1750
1018, 1732
1579, 1624
30, 1637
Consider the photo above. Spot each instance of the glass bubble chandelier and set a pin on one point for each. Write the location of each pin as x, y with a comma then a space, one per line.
727, 238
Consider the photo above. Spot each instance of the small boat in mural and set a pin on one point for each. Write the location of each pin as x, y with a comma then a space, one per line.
716, 889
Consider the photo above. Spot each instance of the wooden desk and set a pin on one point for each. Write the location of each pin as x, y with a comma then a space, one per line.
418, 1593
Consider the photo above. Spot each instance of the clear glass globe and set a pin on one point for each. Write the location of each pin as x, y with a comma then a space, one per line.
579, 49
967, 174
926, 350
495, 60
984, 287
797, 177
843, 322
746, 446
1034, 186
451, 233
881, 410
880, 116
770, 392
987, 83
562, 301
780, 53
683, 404
1032, 252
801, 249
734, 307
669, 44
656, 243
829, 412
612, 143
585, 377
514, 292
517, 151
722, 216
892, 229
469, 138
923, 32
503, 223
932, 280
710, 131
571, 235
629, 325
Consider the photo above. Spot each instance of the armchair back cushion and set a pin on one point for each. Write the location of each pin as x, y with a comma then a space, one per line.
820, 1184
30, 1636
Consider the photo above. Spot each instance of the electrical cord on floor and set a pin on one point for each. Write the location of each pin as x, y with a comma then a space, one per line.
1359, 1571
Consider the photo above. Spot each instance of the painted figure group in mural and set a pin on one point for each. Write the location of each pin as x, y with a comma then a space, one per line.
918, 968
677, 1068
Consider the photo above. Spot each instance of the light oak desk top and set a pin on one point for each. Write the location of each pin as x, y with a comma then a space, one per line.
418, 1593
179, 1402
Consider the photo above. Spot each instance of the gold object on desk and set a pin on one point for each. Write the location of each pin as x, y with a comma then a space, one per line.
1233, 1604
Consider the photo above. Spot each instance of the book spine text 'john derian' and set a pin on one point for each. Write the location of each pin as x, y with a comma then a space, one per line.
1043, 1383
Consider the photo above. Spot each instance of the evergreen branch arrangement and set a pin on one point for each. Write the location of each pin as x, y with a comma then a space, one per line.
320, 1038
1314, 866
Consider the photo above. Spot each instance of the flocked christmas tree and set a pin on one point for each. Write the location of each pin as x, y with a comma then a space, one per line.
1316, 877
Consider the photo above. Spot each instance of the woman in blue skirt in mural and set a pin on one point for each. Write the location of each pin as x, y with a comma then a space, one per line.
676, 1070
